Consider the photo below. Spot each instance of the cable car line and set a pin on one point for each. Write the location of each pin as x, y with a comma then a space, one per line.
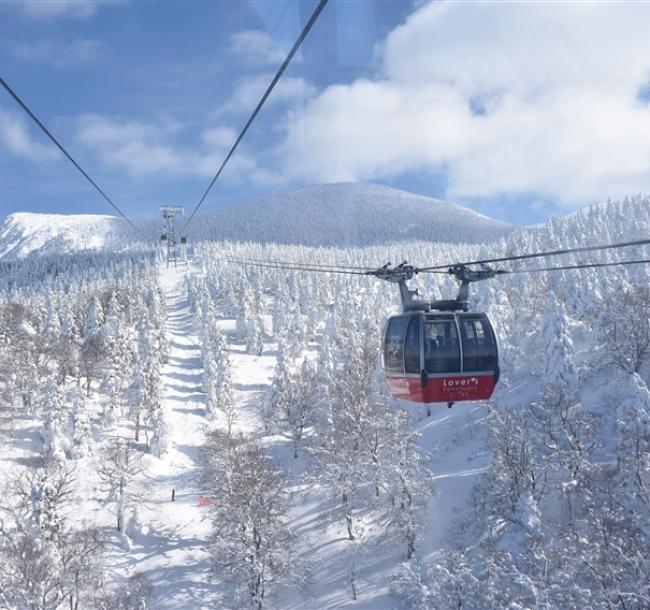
297, 264
312, 268
24, 106
520, 257
270, 265
276, 78
580, 266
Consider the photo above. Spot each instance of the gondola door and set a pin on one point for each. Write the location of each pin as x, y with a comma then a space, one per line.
403, 356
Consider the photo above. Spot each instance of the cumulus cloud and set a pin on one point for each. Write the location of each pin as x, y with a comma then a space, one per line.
16, 139
60, 54
256, 47
249, 90
505, 98
136, 147
155, 148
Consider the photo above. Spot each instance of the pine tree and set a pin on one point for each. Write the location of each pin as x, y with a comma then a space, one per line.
560, 377
278, 401
136, 396
81, 425
55, 442
254, 339
159, 433
94, 319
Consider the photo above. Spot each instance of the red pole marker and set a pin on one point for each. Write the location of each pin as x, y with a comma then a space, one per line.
203, 501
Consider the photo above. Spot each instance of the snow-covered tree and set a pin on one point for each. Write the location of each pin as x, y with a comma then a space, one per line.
254, 337
117, 470
560, 375
81, 424
278, 401
55, 441
250, 542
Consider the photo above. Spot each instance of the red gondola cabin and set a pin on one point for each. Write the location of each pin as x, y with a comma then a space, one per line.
440, 357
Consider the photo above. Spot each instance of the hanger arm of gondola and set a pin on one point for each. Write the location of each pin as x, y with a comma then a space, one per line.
465, 275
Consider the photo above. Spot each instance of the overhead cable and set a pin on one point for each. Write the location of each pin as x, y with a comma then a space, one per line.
65, 152
579, 266
299, 264
271, 264
520, 257
276, 78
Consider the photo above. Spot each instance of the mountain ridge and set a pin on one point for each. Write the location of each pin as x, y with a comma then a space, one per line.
342, 214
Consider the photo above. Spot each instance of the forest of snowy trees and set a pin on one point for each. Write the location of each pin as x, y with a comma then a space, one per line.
302, 446
82, 344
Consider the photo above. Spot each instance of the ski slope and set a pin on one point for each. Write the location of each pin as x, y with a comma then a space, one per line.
169, 547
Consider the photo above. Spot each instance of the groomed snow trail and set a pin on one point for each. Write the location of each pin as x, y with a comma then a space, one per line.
171, 546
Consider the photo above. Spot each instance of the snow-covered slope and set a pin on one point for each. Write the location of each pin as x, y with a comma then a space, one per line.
349, 214
324, 215
23, 233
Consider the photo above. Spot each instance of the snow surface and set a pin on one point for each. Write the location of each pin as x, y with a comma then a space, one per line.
23, 233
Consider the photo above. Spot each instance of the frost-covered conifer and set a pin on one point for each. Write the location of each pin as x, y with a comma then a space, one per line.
254, 339
223, 388
296, 334
159, 441
81, 425
279, 397
210, 373
52, 327
55, 442
136, 396
94, 318
560, 375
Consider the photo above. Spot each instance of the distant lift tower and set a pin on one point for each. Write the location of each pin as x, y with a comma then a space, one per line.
169, 214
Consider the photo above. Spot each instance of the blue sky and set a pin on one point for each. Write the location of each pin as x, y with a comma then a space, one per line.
519, 111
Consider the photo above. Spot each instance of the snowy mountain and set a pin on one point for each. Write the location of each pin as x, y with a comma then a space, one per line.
324, 215
348, 214
23, 233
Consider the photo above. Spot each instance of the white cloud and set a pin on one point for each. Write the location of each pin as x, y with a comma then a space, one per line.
505, 97
136, 147
60, 54
48, 9
16, 139
219, 137
249, 90
256, 47
146, 149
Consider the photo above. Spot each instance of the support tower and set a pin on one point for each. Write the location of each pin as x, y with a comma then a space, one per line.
169, 214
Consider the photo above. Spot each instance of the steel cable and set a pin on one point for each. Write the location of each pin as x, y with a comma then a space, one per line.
276, 78
47, 132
